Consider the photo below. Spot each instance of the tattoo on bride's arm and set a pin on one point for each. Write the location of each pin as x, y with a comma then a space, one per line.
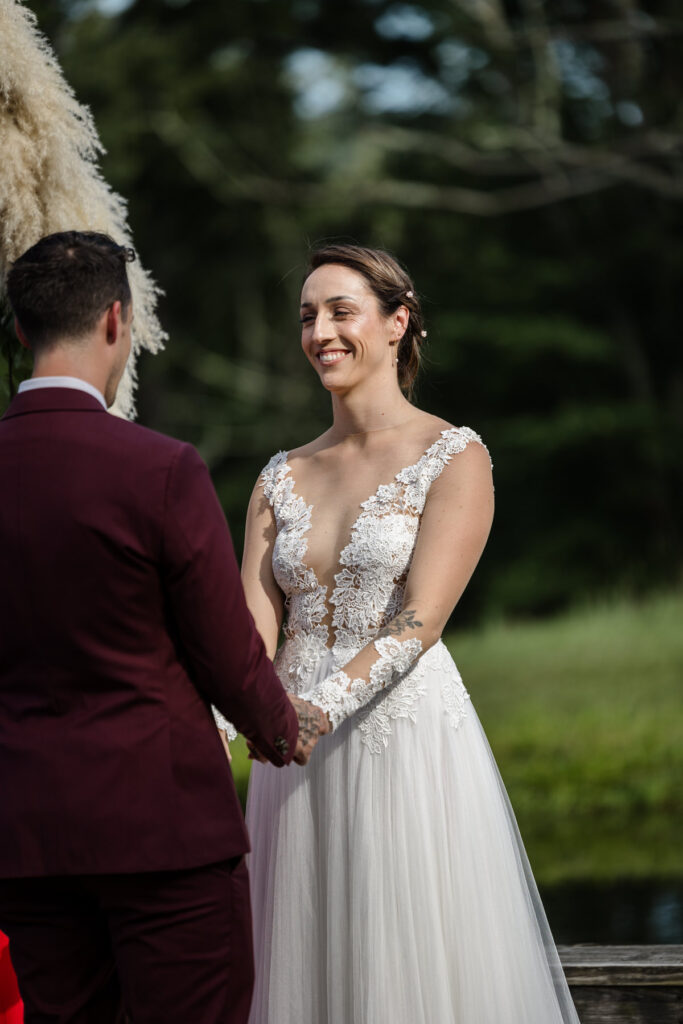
405, 620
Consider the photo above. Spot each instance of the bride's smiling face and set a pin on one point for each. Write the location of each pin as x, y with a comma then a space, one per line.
343, 332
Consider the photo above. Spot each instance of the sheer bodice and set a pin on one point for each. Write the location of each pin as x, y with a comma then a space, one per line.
373, 567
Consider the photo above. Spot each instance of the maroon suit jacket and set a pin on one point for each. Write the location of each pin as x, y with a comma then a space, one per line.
122, 616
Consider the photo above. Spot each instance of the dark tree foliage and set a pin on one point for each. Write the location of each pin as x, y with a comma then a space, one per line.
524, 159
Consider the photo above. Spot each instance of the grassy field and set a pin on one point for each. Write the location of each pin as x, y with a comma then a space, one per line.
585, 717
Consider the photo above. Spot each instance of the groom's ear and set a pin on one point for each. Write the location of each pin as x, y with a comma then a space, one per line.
21, 336
114, 318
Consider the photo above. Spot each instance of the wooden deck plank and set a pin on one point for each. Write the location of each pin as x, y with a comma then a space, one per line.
590, 964
625, 984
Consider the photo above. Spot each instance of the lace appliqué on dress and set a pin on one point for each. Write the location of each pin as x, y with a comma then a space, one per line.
400, 702
369, 592
305, 599
455, 698
453, 692
340, 698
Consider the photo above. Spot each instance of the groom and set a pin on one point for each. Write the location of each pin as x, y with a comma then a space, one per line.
123, 886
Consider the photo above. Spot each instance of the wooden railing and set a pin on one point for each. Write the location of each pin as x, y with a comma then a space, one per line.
625, 984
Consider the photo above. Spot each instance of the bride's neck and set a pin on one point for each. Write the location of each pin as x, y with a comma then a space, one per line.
365, 413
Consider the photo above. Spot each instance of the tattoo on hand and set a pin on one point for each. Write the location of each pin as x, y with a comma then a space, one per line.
312, 722
405, 620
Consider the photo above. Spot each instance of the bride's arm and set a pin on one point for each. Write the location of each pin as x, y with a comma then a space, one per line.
455, 526
264, 598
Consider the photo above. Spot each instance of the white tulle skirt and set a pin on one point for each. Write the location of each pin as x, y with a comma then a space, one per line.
393, 888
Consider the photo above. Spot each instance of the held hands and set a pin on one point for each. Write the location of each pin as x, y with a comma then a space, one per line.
313, 723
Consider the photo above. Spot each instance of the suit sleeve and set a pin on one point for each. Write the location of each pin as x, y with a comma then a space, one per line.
223, 651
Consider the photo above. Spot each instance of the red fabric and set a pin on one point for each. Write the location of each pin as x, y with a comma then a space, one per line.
11, 1006
125, 618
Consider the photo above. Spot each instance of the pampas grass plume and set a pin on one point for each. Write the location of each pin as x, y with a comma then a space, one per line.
49, 175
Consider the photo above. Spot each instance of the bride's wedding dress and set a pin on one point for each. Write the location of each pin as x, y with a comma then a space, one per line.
389, 880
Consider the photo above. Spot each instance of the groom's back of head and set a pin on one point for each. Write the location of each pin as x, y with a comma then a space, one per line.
59, 288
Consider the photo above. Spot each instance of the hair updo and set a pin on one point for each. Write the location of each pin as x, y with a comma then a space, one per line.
392, 288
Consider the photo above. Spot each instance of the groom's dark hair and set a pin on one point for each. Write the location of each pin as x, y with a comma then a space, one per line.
59, 288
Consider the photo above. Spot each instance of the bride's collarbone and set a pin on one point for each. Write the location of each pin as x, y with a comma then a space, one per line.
339, 477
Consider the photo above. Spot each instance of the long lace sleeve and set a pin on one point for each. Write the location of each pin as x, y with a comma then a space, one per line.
340, 696
224, 724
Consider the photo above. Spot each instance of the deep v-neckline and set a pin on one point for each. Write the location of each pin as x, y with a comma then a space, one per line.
372, 498
305, 519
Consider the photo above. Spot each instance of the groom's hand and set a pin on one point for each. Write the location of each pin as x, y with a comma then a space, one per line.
313, 723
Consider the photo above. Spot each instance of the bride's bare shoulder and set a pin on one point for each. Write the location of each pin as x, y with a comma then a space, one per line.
426, 428
311, 448
433, 426
430, 425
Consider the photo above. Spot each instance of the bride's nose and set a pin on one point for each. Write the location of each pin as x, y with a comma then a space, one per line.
323, 328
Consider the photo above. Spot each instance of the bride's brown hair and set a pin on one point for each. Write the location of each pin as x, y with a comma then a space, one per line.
392, 287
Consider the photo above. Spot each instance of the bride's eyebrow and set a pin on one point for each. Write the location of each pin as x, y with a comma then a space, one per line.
334, 298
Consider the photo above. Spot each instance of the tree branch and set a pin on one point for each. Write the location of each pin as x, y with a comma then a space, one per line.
583, 173
543, 161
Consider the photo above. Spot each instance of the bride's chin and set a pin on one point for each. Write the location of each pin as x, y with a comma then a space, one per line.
334, 381
335, 387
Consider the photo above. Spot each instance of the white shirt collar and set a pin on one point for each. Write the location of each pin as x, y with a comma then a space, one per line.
62, 382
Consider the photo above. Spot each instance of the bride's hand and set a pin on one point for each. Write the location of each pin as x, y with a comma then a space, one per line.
313, 723
226, 745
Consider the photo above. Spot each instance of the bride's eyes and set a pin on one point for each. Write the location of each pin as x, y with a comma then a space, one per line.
309, 318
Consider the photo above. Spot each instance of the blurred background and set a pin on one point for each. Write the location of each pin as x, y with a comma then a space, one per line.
525, 161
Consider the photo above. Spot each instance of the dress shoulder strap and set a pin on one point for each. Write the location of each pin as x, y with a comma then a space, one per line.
417, 479
272, 476
452, 441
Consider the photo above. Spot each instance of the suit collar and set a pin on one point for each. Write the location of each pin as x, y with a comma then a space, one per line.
52, 400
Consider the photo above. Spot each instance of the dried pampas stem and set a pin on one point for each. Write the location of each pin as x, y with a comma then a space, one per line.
49, 177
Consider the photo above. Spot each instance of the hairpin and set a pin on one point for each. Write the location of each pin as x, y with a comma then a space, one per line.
423, 334
409, 295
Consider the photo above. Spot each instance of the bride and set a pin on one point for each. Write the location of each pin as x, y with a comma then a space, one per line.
388, 878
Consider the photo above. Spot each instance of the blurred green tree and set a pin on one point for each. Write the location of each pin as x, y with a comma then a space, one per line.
524, 159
